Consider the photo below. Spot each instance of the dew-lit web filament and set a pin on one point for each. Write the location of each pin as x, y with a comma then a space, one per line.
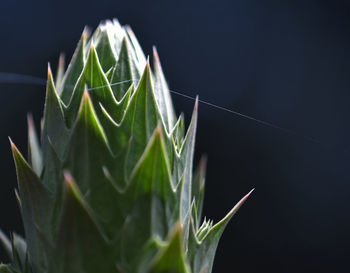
32, 80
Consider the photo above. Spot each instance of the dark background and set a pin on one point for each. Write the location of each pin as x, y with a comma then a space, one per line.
285, 62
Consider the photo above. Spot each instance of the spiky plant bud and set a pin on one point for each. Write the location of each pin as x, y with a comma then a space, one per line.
110, 186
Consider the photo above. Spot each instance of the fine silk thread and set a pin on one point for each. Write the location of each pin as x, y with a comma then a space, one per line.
14, 78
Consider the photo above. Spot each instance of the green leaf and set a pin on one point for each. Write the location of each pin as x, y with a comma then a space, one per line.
99, 89
109, 74
148, 252
141, 118
115, 33
149, 201
137, 52
117, 113
198, 185
60, 73
116, 172
54, 127
36, 208
52, 178
125, 73
104, 48
162, 94
178, 132
183, 165
34, 151
74, 69
202, 244
86, 146
151, 177
80, 243
171, 259
87, 155
19, 252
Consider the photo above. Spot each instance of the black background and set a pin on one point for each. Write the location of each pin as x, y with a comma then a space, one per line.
285, 62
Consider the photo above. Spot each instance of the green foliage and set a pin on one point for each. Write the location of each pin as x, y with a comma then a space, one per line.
109, 188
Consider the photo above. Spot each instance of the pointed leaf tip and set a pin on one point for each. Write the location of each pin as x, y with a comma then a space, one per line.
85, 103
49, 71
79, 233
61, 59
86, 32
68, 178
155, 54
232, 212
50, 79
11, 142
148, 66
240, 203
203, 162
196, 103
92, 46
86, 95
203, 243
71, 186
30, 121
34, 150
15, 151
158, 131
16, 154
72, 191
177, 229
18, 198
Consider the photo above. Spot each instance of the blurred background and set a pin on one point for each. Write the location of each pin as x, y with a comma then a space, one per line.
284, 62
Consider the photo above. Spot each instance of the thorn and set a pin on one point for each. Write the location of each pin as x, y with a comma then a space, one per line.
128, 29
61, 59
49, 72
203, 167
30, 121
158, 130
15, 152
125, 42
245, 197
68, 179
86, 94
11, 142
155, 54
17, 196
106, 172
86, 33
115, 21
203, 161
236, 207
177, 227
92, 45
108, 22
147, 62
196, 103
253, 189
